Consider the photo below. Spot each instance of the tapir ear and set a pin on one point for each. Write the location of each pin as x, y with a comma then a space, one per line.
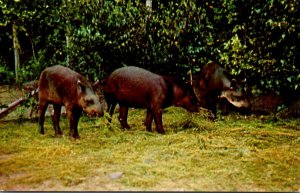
80, 86
233, 83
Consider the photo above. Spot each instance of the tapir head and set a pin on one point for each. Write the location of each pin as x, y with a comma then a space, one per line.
185, 97
235, 94
182, 94
89, 100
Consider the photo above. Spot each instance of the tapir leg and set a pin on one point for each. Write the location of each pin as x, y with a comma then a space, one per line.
42, 110
111, 109
149, 120
73, 116
123, 113
111, 105
158, 121
212, 107
76, 115
56, 117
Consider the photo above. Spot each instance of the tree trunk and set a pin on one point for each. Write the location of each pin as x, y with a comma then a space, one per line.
68, 49
16, 50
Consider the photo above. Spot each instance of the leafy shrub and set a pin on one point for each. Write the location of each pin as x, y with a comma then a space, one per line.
259, 41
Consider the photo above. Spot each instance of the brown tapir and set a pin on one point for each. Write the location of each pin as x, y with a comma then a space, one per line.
213, 82
136, 87
60, 86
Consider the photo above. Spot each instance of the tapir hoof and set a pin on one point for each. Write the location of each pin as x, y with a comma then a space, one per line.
162, 132
125, 126
75, 136
58, 134
41, 131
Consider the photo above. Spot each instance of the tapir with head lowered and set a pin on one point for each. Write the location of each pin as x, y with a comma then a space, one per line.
136, 87
213, 82
60, 86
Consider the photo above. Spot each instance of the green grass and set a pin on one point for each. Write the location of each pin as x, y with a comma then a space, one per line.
231, 154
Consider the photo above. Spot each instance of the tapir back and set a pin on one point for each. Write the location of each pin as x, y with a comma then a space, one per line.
58, 84
135, 87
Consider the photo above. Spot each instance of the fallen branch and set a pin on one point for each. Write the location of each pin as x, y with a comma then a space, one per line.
12, 106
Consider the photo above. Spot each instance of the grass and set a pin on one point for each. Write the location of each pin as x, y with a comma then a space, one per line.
232, 154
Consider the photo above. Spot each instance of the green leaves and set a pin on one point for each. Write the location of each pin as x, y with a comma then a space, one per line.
256, 40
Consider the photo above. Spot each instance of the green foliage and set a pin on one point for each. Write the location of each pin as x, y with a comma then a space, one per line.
270, 35
5, 75
256, 40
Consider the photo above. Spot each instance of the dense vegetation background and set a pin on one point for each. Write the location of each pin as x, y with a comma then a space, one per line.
258, 40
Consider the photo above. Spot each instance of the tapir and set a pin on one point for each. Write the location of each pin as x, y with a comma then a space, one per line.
213, 82
136, 87
59, 85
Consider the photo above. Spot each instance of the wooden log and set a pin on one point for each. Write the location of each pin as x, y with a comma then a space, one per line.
12, 106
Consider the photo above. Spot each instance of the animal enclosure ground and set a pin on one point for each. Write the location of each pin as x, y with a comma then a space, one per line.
232, 154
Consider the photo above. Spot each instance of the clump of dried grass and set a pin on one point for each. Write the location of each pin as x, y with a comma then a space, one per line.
232, 154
